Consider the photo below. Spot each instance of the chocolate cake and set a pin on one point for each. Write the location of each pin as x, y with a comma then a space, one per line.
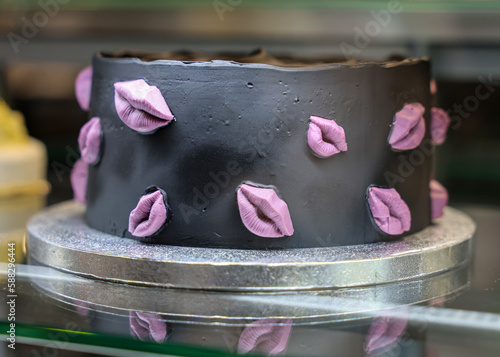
257, 152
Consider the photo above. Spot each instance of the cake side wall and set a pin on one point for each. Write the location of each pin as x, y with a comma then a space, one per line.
241, 123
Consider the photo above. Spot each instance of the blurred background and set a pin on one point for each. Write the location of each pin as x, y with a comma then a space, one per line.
44, 44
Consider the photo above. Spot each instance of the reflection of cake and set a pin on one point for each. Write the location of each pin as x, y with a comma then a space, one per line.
23, 163
257, 153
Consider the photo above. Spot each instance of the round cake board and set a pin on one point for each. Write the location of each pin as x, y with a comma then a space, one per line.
204, 307
60, 238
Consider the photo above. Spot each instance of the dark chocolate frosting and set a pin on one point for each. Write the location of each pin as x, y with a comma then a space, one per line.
244, 120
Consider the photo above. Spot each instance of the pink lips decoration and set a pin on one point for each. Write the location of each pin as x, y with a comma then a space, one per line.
82, 308
437, 302
89, 140
150, 215
433, 86
263, 213
390, 212
141, 106
440, 121
147, 326
408, 127
78, 177
269, 336
439, 199
83, 87
385, 331
325, 137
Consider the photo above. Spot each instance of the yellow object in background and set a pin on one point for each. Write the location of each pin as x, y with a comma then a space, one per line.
12, 128
23, 188
17, 237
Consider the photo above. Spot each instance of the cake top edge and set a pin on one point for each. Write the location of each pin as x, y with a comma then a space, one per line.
257, 59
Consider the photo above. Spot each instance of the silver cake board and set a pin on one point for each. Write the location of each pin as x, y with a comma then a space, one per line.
223, 308
60, 238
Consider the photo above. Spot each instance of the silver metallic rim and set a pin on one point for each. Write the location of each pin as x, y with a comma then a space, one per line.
59, 237
242, 308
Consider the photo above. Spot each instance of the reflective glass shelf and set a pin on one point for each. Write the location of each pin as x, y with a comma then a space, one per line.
61, 313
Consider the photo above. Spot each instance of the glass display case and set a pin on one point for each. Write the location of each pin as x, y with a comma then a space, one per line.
57, 312
451, 313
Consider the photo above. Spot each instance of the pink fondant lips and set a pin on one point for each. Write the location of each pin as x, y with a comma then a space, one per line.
263, 213
82, 308
78, 178
439, 199
325, 137
141, 106
408, 127
390, 212
147, 326
440, 121
150, 215
433, 87
83, 87
269, 336
385, 331
89, 141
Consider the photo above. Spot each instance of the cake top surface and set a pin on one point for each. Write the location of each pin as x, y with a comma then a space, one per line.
257, 58
12, 128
